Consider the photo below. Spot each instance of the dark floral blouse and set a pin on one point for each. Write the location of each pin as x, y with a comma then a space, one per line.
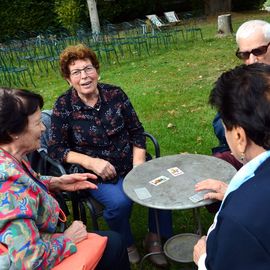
107, 131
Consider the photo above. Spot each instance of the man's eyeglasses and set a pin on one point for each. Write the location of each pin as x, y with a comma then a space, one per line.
77, 72
257, 52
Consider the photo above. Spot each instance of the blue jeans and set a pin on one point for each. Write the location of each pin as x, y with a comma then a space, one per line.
118, 208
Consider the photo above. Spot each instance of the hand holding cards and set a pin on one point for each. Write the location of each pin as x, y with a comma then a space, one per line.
199, 196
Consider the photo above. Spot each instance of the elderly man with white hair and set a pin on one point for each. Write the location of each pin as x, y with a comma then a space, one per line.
253, 40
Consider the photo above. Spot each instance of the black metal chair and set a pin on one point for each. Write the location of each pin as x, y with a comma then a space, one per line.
44, 165
95, 208
80, 200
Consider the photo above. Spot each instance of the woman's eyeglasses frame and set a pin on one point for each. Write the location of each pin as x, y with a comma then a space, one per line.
78, 72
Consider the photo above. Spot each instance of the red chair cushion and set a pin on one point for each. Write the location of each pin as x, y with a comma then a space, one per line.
88, 254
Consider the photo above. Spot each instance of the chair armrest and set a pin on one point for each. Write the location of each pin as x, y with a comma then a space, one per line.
155, 142
54, 163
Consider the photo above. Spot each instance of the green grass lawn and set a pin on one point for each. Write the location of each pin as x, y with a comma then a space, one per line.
171, 86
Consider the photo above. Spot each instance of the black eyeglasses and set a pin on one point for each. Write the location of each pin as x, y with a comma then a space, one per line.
257, 52
77, 72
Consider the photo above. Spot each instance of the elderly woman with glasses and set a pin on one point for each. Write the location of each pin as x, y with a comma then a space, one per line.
28, 212
95, 126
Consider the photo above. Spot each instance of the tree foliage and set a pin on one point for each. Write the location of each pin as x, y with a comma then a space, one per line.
33, 16
68, 14
20, 16
239, 5
126, 10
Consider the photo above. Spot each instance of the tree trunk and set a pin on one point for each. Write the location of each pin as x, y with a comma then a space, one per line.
213, 7
92, 6
225, 25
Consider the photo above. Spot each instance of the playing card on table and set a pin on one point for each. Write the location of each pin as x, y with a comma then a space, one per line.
159, 180
175, 171
197, 197
142, 193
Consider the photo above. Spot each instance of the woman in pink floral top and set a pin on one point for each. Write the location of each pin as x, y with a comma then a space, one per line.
28, 213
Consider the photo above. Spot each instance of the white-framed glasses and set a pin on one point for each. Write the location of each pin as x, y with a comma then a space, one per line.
77, 72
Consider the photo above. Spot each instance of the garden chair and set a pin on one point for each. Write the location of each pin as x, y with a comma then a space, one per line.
189, 23
191, 27
167, 31
42, 54
129, 29
43, 164
122, 42
136, 36
94, 207
81, 200
53, 51
157, 22
105, 45
172, 17
12, 72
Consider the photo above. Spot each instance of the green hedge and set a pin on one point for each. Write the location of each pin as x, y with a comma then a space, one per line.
21, 17
240, 5
24, 18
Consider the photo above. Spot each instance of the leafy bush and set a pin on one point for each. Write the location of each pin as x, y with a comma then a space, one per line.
267, 3
21, 17
239, 5
25, 18
68, 14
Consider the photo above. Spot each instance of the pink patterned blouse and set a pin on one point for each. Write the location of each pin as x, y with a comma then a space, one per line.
28, 218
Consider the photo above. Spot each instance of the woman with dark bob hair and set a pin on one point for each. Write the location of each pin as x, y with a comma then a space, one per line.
95, 126
239, 238
28, 213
